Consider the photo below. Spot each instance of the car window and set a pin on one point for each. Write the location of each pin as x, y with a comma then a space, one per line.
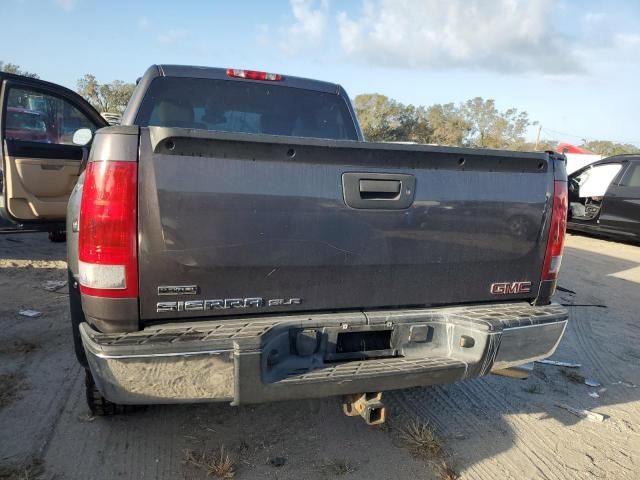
632, 177
40, 117
595, 181
247, 107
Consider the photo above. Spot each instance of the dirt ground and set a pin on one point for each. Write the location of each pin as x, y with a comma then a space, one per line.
490, 428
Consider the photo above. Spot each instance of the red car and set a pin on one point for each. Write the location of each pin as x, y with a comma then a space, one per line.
23, 124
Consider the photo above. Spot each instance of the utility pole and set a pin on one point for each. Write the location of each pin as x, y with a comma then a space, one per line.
538, 136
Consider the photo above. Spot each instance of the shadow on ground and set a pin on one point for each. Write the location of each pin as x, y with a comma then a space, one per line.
493, 427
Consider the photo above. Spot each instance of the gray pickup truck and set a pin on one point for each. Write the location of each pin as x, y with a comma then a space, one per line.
235, 239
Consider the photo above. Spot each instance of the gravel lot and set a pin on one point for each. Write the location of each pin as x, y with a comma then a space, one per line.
490, 428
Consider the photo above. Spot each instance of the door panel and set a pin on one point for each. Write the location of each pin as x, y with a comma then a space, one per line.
621, 211
40, 163
39, 188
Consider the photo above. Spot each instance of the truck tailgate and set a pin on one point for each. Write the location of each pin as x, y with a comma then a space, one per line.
247, 224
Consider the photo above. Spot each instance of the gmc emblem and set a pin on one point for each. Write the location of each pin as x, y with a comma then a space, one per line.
508, 288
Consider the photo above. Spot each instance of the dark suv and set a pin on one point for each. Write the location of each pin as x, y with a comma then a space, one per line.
605, 197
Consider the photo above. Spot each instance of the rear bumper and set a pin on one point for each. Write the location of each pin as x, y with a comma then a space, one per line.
288, 357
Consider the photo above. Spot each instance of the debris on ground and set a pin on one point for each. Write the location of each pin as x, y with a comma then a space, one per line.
533, 388
54, 285
445, 471
29, 313
573, 376
277, 461
421, 439
582, 413
626, 384
597, 305
577, 378
18, 346
30, 470
9, 388
566, 290
594, 395
216, 464
338, 467
424, 444
560, 364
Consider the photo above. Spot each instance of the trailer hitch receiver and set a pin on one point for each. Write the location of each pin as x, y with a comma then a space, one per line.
368, 405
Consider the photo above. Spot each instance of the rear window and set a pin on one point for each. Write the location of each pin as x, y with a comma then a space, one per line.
247, 107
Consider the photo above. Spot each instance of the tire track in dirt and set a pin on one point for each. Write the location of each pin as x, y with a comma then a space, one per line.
521, 427
601, 364
538, 436
433, 406
481, 395
541, 447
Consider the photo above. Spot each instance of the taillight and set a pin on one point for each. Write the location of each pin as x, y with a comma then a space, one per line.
107, 243
253, 74
557, 231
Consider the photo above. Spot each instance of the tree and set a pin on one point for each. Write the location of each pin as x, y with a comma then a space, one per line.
607, 148
385, 120
476, 122
490, 128
13, 68
542, 146
416, 125
448, 124
380, 117
107, 97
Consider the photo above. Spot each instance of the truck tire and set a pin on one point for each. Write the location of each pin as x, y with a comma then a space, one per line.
100, 406
57, 236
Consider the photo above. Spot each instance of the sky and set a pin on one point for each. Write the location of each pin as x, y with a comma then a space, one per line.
573, 65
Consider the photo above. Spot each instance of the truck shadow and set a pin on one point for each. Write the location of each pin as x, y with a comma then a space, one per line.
492, 427
30, 246
604, 237
481, 420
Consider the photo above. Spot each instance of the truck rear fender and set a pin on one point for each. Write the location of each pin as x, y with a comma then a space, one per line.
107, 237
555, 229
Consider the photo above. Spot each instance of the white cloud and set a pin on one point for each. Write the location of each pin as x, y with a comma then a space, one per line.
172, 36
594, 18
627, 41
507, 36
502, 35
309, 27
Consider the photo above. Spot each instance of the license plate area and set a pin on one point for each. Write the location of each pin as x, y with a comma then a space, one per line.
360, 343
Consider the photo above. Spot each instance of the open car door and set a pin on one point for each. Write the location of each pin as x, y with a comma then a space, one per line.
40, 163
588, 188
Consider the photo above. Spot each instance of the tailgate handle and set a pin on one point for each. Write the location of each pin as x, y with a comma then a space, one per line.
386, 191
380, 189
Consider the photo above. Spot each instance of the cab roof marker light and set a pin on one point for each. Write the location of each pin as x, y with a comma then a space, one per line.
253, 75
